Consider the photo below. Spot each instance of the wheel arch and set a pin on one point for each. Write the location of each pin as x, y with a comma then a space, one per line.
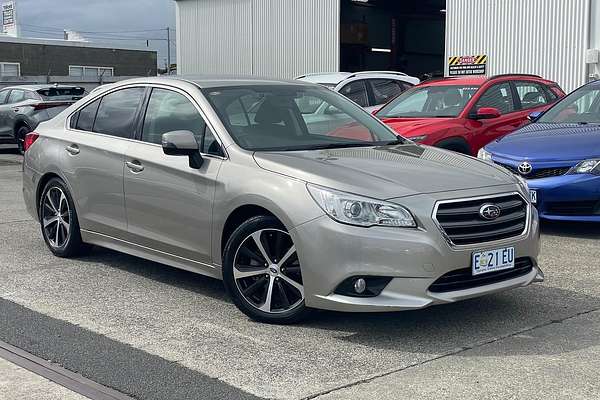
454, 143
41, 184
237, 217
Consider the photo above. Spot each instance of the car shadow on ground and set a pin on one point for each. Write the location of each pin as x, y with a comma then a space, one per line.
434, 330
586, 230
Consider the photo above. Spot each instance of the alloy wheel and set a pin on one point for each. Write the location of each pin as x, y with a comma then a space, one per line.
56, 217
267, 272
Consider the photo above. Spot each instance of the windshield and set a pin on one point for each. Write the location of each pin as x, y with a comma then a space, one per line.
580, 107
429, 102
292, 117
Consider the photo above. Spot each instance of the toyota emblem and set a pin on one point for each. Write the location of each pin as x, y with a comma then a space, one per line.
489, 212
525, 168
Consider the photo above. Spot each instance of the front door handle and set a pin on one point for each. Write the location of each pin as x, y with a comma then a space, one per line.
134, 166
73, 149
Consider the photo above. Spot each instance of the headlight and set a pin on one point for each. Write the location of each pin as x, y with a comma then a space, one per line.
360, 211
484, 155
418, 139
587, 167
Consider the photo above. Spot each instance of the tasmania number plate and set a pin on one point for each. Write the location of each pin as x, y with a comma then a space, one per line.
493, 260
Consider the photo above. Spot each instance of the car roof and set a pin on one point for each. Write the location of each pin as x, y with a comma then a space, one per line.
210, 81
481, 79
334, 78
39, 87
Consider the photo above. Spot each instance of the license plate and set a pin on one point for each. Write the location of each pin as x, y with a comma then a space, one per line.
533, 196
493, 260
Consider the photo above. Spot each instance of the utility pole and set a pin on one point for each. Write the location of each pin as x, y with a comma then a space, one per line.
168, 51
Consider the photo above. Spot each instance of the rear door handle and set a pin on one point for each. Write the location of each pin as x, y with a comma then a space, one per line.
73, 149
134, 166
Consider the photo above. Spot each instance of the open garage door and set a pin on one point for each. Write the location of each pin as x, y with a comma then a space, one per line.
406, 36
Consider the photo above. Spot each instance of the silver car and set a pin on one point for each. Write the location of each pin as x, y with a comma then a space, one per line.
226, 178
22, 108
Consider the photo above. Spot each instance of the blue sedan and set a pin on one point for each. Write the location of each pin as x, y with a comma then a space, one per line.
559, 156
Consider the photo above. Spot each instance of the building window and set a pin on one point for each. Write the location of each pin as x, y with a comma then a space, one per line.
10, 69
90, 72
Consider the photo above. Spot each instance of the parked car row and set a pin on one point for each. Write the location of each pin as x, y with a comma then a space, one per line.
243, 180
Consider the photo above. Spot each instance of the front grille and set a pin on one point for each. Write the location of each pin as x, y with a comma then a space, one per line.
539, 173
463, 224
462, 279
573, 208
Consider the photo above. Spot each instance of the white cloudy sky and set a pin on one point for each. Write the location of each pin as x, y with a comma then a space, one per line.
118, 22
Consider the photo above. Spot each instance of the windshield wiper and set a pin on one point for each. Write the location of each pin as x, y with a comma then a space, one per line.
341, 145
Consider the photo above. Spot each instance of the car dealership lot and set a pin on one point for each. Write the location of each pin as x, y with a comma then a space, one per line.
154, 332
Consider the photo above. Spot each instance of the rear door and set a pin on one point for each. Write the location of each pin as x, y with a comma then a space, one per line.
93, 159
500, 96
169, 205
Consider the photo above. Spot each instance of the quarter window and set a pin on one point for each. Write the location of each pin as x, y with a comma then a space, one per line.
357, 92
531, 95
170, 111
84, 119
498, 96
117, 112
385, 89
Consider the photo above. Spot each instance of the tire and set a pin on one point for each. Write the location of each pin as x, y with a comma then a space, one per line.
249, 278
21, 133
455, 144
58, 221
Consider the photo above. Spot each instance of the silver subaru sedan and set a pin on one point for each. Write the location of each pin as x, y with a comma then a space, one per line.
238, 179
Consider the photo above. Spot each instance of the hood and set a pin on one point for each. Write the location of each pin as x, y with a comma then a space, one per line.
386, 172
416, 126
549, 142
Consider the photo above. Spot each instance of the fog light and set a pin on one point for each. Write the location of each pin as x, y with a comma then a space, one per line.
360, 285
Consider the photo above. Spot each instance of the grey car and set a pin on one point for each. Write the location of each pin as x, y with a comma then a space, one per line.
22, 108
225, 177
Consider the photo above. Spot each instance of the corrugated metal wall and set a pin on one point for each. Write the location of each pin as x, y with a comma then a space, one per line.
278, 38
545, 37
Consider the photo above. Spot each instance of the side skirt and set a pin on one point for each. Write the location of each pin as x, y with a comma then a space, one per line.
109, 242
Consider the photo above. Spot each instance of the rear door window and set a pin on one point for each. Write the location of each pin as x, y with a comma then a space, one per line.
531, 94
357, 92
4, 96
384, 90
118, 112
16, 96
498, 96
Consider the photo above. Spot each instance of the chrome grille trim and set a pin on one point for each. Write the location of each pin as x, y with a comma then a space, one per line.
483, 244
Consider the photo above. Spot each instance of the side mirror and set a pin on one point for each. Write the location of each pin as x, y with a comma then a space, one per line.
534, 116
487, 113
182, 143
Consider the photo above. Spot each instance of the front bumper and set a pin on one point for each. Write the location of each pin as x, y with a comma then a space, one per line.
331, 252
568, 197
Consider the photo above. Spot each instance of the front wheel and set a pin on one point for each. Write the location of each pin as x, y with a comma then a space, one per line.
262, 273
58, 220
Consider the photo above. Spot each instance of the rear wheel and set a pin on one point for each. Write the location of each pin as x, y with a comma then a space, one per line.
262, 272
21, 133
58, 220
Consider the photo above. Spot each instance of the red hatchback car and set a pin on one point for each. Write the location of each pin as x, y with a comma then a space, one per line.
465, 114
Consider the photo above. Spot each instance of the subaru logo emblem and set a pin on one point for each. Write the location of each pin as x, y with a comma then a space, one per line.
489, 212
525, 168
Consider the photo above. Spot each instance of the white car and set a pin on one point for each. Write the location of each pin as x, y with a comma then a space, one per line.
369, 89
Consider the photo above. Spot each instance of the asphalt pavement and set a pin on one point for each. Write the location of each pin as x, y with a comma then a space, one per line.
153, 332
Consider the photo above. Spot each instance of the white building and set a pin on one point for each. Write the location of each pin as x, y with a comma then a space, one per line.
286, 38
